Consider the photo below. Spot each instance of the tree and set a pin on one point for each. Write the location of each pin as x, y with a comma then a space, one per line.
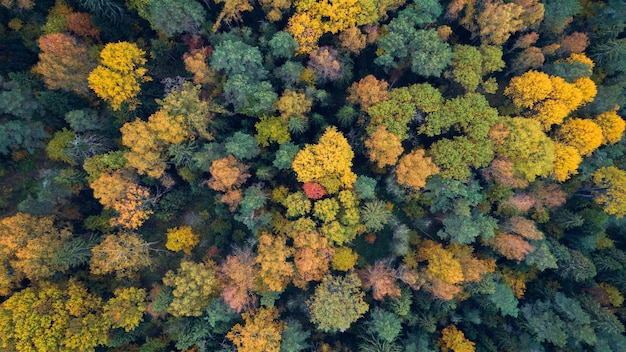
122, 254
454, 157
293, 104
28, 245
453, 339
249, 97
511, 246
227, 173
272, 255
181, 239
312, 256
53, 318
261, 332
612, 126
337, 303
326, 64
582, 134
414, 168
231, 11
383, 147
80, 24
118, 77
566, 161
242, 146
613, 197
195, 284
130, 200
125, 310
528, 89
64, 63
174, 17
238, 274
274, 130
375, 215
498, 21
353, 40
528, 147
185, 103
367, 92
381, 277
328, 162
196, 63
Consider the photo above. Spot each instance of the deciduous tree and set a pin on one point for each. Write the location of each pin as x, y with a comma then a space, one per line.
272, 254
613, 197
328, 162
64, 63
582, 134
414, 168
261, 332
383, 147
453, 339
121, 254
125, 310
118, 78
195, 284
337, 303
367, 92
238, 273
612, 126
181, 239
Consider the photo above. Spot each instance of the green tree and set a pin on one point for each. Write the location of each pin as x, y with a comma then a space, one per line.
174, 17
337, 303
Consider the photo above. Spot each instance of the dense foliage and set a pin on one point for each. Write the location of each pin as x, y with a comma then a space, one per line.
301, 175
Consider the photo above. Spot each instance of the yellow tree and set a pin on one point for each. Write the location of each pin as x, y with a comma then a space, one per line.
528, 89
120, 254
118, 78
28, 245
181, 239
328, 162
582, 134
231, 11
566, 161
272, 255
261, 332
125, 310
383, 147
195, 284
414, 168
53, 318
612, 126
293, 104
613, 195
453, 339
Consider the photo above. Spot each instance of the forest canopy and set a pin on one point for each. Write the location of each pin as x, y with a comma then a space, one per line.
300, 175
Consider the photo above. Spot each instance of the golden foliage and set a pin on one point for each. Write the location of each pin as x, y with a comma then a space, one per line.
414, 169
118, 78
293, 104
231, 11
126, 309
344, 259
368, 91
566, 161
181, 239
196, 63
453, 339
328, 162
353, 40
528, 89
28, 245
612, 126
272, 255
582, 134
261, 332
